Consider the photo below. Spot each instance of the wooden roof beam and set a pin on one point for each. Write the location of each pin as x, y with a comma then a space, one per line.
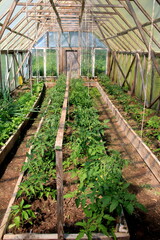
139, 26
82, 11
134, 28
8, 18
18, 33
57, 14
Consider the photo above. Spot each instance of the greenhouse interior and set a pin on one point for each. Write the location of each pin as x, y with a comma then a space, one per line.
80, 119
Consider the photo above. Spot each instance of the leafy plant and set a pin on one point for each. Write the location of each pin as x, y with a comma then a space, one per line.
40, 168
101, 191
13, 112
21, 214
134, 110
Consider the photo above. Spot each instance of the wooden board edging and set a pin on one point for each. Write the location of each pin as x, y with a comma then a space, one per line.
149, 158
6, 148
59, 163
34, 236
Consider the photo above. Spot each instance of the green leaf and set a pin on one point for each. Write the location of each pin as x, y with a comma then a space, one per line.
105, 201
108, 217
11, 225
113, 205
88, 213
17, 221
103, 229
77, 201
25, 215
80, 235
82, 224
27, 206
69, 195
21, 203
15, 207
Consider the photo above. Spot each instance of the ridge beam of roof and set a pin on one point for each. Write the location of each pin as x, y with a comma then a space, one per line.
57, 14
82, 11
8, 18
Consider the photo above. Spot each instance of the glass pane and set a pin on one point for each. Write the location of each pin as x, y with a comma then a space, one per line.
51, 68
86, 63
74, 39
37, 62
42, 42
100, 61
65, 39
53, 39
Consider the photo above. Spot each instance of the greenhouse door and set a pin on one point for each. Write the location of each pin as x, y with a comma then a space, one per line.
72, 63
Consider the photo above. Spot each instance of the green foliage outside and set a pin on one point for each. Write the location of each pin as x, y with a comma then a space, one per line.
37, 62
51, 65
86, 63
100, 61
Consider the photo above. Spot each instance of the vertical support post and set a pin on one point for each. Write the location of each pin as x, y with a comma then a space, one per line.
152, 83
30, 65
1, 74
107, 62
110, 63
14, 69
44, 62
135, 77
93, 62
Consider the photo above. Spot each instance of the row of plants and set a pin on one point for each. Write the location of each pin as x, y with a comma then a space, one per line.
101, 191
13, 111
134, 110
39, 182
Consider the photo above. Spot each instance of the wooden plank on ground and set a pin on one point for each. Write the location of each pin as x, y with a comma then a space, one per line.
59, 164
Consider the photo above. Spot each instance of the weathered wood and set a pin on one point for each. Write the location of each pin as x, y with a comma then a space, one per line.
152, 84
8, 18
125, 80
34, 236
142, 74
59, 164
135, 77
139, 26
149, 158
154, 102
1, 89
57, 14
129, 70
82, 11
110, 65
15, 57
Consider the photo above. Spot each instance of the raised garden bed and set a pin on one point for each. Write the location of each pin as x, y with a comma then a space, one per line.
147, 155
7, 147
61, 235
144, 121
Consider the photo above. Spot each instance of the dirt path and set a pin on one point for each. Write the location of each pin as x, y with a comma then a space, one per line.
143, 183
10, 171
